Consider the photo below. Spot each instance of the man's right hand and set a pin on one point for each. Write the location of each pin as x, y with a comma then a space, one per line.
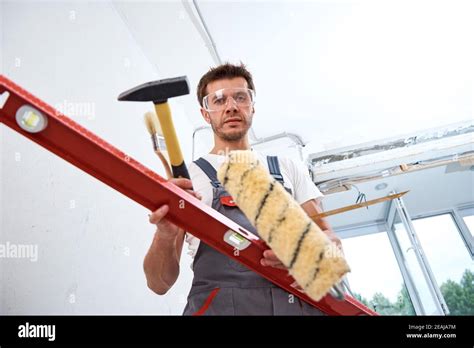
166, 230
161, 264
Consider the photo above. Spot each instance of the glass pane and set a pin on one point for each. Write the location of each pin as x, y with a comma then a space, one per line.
375, 278
425, 295
469, 221
450, 261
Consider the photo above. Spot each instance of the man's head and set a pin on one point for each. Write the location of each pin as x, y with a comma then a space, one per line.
226, 95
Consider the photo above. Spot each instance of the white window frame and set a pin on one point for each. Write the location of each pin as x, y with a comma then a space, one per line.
381, 226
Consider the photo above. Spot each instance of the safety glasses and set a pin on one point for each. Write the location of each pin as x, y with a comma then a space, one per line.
217, 101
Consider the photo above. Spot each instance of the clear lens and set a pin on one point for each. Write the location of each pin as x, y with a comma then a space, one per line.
217, 101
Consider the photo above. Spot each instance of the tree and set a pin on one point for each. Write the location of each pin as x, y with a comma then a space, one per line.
363, 300
403, 306
383, 306
460, 297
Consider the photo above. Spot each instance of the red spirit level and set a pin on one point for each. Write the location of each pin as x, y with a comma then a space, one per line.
47, 127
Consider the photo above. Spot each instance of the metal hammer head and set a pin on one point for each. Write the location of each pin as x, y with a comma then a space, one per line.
157, 91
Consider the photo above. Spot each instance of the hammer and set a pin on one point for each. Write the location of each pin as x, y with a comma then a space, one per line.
158, 92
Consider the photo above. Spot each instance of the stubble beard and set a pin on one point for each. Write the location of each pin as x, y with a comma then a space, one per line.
232, 135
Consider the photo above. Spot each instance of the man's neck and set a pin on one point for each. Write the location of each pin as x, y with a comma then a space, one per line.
222, 147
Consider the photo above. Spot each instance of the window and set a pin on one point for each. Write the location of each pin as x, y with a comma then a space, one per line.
423, 291
469, 221
375, 278
449, 260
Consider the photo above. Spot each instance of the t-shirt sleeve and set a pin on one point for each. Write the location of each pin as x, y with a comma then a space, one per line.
305, 188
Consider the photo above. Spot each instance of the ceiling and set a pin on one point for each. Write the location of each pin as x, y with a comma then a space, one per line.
334, 72
431, 190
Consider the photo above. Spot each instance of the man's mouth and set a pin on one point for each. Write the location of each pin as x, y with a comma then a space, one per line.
233, 120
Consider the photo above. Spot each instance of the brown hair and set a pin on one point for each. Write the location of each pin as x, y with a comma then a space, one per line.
224, 71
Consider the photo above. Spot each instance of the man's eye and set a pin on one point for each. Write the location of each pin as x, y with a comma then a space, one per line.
219, 101
241, 97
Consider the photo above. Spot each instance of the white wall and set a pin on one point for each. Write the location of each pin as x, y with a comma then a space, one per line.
91, 240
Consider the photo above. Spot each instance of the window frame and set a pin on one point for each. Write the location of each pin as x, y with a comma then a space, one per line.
385, 226
457, 214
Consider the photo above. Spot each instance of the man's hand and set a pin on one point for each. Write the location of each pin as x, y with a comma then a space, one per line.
161, 263
165, 229
270, 259
313, 207
333, 238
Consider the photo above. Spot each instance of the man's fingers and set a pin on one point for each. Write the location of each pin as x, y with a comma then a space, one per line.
182, 182
333, 238
158, 214
270, 255
270, 259
272, 263
194, 193
186, 185
297, 287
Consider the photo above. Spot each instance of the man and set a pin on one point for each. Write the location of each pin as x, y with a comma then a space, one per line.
221, 285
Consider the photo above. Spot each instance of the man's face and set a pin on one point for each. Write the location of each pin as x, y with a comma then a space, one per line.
233, 122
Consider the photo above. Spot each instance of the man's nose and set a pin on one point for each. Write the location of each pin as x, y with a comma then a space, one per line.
230, 105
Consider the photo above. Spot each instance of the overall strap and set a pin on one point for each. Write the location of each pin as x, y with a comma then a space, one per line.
274, 168
209, 170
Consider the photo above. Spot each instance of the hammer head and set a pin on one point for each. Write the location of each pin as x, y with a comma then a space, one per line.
157, 91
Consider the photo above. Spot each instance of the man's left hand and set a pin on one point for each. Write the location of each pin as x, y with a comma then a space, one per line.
270, 259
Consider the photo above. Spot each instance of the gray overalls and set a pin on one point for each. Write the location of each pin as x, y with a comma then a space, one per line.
222, 286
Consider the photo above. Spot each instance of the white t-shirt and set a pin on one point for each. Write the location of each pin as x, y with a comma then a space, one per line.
295, 176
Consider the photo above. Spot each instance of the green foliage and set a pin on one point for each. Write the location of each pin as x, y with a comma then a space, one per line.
403, 305
458, 296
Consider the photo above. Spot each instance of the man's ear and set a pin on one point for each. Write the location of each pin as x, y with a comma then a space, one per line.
205, 115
